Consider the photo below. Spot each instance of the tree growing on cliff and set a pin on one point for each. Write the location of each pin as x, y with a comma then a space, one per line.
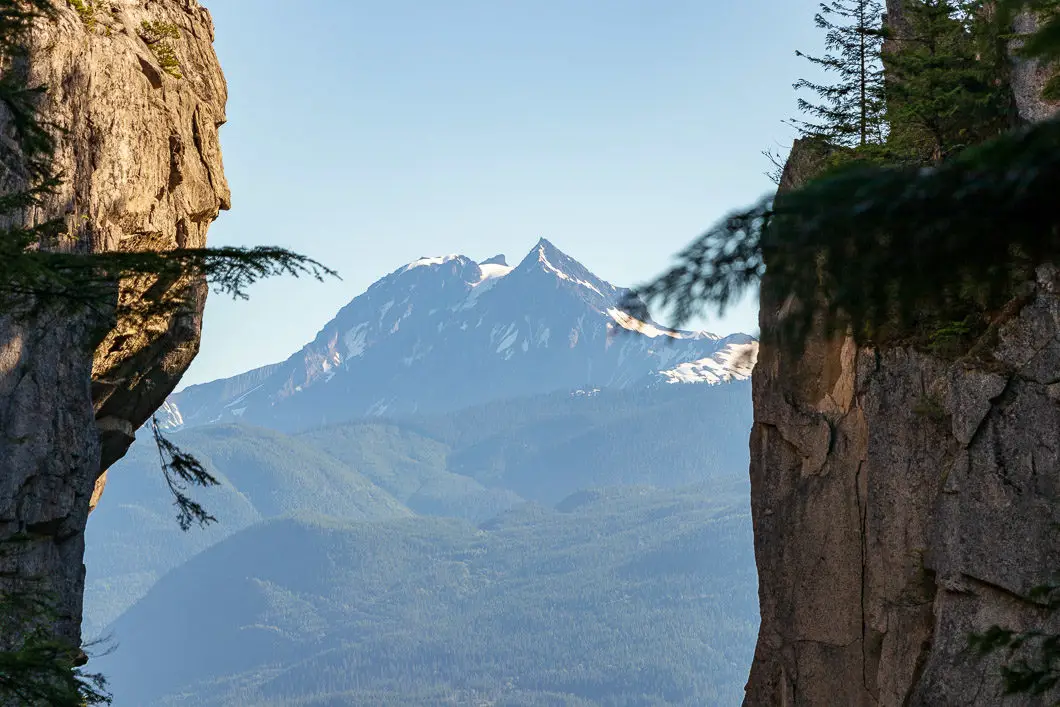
850, 112
40, 669
946, 81
877, 249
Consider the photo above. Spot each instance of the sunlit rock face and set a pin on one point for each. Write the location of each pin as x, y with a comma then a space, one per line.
139, 153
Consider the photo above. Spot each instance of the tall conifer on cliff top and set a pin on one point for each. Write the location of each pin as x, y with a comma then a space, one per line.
850, 111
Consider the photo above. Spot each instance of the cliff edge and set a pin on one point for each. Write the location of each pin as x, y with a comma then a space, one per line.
902, 501
142, 169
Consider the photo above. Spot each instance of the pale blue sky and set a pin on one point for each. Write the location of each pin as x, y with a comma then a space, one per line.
367, 134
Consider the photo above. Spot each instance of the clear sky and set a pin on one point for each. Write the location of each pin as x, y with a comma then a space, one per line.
368, 134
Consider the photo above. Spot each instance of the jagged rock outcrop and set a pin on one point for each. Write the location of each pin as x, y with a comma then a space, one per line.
901, 502
142, 164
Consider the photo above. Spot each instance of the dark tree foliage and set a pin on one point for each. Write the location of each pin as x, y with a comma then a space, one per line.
851, 110
873, 249
944, 80
39, 669
884, 251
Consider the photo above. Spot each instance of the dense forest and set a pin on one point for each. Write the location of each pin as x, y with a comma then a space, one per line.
470, 465
621, 597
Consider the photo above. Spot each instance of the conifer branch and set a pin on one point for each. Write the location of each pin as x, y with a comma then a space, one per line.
881, 245
181, 469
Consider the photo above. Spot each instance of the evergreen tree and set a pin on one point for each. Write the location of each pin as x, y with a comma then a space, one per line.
851, 111
946, 81
873, 248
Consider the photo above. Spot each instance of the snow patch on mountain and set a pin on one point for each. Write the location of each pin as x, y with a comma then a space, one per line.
510, 338
169, 416
356, 340
436, 260
492, 271
631, 323
734, 362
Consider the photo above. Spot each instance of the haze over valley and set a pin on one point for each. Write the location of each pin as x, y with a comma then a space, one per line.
479, 483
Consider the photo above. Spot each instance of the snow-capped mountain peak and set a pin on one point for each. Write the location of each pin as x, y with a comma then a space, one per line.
546, 259
442, 332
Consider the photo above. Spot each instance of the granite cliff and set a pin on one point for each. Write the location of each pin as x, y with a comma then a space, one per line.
139, 152
902, 501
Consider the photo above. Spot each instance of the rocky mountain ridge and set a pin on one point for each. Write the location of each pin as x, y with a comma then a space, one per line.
446, 332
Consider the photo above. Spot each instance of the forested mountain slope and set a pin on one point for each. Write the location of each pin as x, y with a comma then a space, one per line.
471, 464
623, 597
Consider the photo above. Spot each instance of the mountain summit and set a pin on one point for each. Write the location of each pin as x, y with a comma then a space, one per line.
445, 332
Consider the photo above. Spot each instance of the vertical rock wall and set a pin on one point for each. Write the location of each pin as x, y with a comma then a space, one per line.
901, 502
142, 165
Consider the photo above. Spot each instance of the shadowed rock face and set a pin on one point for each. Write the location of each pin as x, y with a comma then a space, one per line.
1029, 77
142, 165
901, 502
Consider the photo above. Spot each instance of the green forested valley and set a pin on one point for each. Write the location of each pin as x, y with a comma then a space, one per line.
555, 550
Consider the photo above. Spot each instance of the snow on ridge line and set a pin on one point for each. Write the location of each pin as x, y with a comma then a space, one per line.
172, 419
244, 396
628, 321
492, 271
434, 260
562, 275
734, 362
